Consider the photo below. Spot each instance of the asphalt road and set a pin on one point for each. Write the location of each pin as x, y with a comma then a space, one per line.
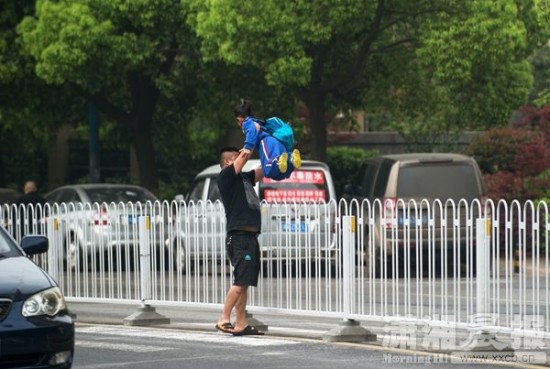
101, 346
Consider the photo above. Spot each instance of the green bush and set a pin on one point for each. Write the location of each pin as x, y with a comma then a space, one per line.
496, 149
345, 164
516, 160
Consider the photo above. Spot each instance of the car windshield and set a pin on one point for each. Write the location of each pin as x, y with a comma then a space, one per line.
438, 182
7, 247
302, 186
119, 194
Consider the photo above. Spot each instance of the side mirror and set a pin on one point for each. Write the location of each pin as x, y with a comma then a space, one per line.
33, 245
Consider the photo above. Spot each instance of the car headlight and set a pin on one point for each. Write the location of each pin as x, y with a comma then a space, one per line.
48, 302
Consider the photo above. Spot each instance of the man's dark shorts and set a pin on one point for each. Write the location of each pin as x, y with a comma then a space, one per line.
244, 253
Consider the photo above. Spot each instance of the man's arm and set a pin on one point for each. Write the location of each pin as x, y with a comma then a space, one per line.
241, 160
258, 174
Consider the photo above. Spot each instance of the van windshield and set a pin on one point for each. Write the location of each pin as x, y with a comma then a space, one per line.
438, 182
302, 186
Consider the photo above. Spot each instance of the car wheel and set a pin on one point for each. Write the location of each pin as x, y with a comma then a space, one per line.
180, 260
72, 253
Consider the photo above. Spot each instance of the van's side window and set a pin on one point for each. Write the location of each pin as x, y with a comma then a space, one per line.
368, 180
196, 190
382, 178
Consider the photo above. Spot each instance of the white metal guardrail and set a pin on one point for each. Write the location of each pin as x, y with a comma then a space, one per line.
450, 262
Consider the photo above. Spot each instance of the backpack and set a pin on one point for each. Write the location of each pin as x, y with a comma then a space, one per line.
279, 129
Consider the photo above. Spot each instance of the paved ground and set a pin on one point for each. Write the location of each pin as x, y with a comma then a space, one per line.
203, 319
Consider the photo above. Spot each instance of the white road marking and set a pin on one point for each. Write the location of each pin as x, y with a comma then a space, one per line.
214, 337
120, 346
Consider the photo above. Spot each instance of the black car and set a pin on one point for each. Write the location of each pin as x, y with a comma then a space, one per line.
36, 330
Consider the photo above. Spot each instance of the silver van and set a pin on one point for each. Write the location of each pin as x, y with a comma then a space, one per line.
297, 217
410, 195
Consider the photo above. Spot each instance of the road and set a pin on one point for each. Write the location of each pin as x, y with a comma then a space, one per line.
102, 346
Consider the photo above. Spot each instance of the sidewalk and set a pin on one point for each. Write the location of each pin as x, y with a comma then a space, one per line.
203, 319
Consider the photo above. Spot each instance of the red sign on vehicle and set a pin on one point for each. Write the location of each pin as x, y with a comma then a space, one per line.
301, 176
298, 196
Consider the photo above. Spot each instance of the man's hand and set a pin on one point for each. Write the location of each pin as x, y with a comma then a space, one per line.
246, 151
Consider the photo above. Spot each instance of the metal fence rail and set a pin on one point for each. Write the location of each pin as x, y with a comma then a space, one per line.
436, 261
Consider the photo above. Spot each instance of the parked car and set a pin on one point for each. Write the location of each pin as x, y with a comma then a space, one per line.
293, 229
36, 329
454, 180
8, 196
102, 220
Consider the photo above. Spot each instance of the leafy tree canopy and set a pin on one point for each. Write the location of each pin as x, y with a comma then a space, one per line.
334, 52
123, 55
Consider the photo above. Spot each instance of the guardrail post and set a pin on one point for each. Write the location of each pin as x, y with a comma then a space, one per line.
55, 244
145, 314
483, 337
349, 330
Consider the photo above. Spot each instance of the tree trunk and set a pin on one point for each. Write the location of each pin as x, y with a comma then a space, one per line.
144, 101
318, 126
142, 142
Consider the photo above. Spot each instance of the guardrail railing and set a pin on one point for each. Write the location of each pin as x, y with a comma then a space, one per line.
449, 262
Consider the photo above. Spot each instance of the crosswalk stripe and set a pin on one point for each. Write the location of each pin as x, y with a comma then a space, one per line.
168, 334
120, 346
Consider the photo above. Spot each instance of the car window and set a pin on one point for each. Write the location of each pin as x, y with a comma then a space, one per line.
53, 196
197, 189
370, 175
213, 190
67, 196
438, 182
7, 248
120, 194
303, 185
382, 178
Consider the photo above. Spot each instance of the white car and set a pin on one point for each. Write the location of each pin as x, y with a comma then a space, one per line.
297, 217
99, 222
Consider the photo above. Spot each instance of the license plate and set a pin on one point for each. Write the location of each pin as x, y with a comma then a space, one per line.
413, 221
294, 227
133, 219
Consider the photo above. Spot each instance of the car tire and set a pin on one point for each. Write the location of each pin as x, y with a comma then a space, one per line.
72, 253
180, 259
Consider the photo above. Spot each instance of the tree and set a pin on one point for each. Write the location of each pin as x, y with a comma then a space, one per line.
122, 55
29, 108
334, 53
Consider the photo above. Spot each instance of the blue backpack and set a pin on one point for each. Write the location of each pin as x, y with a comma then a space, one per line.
279, 129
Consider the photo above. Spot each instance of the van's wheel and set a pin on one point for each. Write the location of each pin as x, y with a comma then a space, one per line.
180, 262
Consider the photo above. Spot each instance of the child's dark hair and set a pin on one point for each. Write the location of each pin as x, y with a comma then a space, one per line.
244, 109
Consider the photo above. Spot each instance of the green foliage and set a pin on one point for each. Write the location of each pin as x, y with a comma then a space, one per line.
480, 54
345, 165
540, 62
495, 150
464, 61
516, 160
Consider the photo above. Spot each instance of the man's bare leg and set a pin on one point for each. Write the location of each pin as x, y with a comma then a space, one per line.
240, 310
232, 299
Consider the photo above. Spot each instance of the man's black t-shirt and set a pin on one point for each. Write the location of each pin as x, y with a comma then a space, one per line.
241, 203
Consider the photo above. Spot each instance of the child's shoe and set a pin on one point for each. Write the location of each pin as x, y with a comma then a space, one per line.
283, 162
296, 159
